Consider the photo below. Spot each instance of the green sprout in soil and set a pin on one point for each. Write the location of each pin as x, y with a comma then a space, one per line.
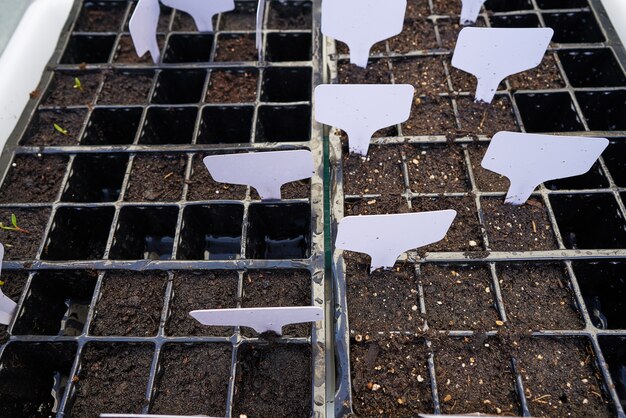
14, 227
77, 84
58, 128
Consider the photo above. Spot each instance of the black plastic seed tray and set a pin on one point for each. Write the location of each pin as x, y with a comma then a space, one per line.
128, 232
518, 311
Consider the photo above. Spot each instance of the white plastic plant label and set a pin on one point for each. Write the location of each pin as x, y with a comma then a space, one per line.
362, 23
492, 54
386, 237
362, 109
530, 159
202, 11
265, 171
260, 13
469, 11
143, 28
259, 319
7, 306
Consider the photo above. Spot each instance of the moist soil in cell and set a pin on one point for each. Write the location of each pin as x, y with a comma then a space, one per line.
100, 19
538, 297
486, 180
43, 132
560, 378
242, 18
273, 381
383, 301
300, 189
416, 35
426, 75
232, 87
449, 31
192, 291
112, 378
183, 22
194, 380
390, 377
33, 179
380, 172
236, 48
446, 7
130, 304
376, 72
485, 118
12, 288
431, 116
546, 76
22, 244
518, 228
127, 54
125, 89
63, 93
436, 169
289, 16
458, 297
264, 289
156, 178
203, 187
380, 205
474, 375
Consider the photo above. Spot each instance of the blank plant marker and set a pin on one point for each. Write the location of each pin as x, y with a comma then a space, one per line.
469, 11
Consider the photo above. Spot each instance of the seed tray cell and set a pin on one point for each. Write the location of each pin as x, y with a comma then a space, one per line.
188, 48
23, 245
88, 49
112, 126
95, 178
604, 111
44, 133
596, 67
226, 125
168, 125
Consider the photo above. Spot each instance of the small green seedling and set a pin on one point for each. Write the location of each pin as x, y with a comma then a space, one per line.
14, 227
77, 84
58, 128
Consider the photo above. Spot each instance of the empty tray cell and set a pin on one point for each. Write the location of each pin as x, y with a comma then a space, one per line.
111, 377
100, 17
56, 303
437, 169
279, 231
43, 132
242, 18
508, 5
529, 20
273, 381
561, 4
563, 371
211, 232
574, 27
615, 162
232, 86
378, 173
34, 377
604, 111
603, 286
112, 126
125, 52
193, 379
95, 178
207, 289
545, 76
156, 177
61, 90
283, 47
203, 187
538, 297
592, 179
88, 49
33, 179
596, 67
23, 244
284, 123
289, 15
188, 48
78, 234
614, 350
398, 366
169, 125
286, 84
548, 112
589, 220
236, 48
376, 72
179, 86
225, 125
126, 88
430, 116
130, 304
145, 233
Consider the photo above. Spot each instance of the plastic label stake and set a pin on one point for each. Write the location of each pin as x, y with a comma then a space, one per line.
492, 54
202, 11
469, 11
362, 23
7, 306
143, 28
362, 109
529, 159
385, 237
265, 171
260, 13
259, 319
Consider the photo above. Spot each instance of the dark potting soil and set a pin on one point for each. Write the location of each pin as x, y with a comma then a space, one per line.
546, 76
426, 75
12, 287
33, 179
164, 18
112, 378
125, 89
449, 30
193, 380
486, 180
517, 228
96, 17
464, 234
62, 92
465, 82
377, 72
203, 187
378, 173
201, 290
273, 381
383, 301
127, 54
430, 116
436, 169
156, 178
232, 87
390, 377
42, 131
236, 48
20, 245
458, 297
446, 7
242, 18
560, 378
294, 190
417, 9
485, 118
183, 22
267, 288
130, 304
289, 16
377, 48
416, 35
475, 376
538, 297
381, 205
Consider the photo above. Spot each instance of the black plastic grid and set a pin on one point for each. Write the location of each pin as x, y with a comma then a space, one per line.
173, 220
583, 98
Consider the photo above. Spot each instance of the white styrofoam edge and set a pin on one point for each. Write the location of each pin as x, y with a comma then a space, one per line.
616, 9
26, 56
